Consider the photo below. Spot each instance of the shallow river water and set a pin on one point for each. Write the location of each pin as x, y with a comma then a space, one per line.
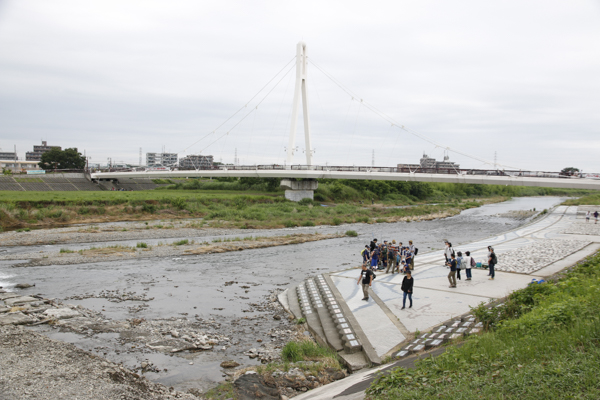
196, 285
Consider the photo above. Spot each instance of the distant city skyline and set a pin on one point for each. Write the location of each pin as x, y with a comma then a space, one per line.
511, 79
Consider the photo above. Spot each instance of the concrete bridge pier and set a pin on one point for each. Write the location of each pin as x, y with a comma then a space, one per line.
298, 190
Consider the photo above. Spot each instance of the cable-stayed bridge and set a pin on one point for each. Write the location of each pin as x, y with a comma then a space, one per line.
310, 173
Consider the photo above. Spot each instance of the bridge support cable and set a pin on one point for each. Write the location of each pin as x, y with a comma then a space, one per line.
246, 115
390, 120
245, 105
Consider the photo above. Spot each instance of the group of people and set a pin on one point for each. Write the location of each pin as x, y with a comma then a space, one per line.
457, 262
385, 255
589, 214
380, 256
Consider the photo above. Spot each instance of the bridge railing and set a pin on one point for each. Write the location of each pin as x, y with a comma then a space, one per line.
391, 170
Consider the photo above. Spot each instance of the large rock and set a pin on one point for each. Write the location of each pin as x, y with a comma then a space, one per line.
251, 386
19, 300
8, 295
61, 313
24, 285
17, 318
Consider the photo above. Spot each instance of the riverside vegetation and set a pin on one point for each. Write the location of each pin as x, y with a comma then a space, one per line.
256, 203
543, 342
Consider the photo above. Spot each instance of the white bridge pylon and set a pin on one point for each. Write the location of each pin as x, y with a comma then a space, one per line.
300, 90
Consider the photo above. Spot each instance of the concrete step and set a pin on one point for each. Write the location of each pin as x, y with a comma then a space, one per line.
292, 301
324, 315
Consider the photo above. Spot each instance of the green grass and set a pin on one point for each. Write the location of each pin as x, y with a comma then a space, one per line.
543, 343
351, 233
592, 200
222, 392
141, 245
181, 242
306, 350
110, 197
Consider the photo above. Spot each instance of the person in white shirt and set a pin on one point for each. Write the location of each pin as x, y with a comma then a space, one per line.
468, 263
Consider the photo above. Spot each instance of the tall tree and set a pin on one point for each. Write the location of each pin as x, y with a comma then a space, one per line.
570, 171
62, 159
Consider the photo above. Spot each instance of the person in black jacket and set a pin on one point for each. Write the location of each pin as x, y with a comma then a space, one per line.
407, 288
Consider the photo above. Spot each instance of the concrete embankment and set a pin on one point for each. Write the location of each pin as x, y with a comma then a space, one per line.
533, 252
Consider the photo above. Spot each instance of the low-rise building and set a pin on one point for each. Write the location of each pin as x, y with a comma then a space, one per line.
427, 162
36, 154
196, 162
19, 166
4, 155
161, 159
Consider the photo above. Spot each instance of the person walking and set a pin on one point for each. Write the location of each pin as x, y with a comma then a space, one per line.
366, 276
492, 261
452, 274
596, 216
407, 288
459, 260
468, 262
587, 216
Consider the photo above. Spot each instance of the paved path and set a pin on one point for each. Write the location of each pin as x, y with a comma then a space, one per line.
535, 251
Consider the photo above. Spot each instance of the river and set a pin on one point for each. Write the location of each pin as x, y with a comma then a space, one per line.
226, 287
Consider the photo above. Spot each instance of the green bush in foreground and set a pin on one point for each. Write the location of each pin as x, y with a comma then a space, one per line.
305, 351
543, 344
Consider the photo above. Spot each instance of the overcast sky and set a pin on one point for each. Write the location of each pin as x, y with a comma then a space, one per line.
516, 80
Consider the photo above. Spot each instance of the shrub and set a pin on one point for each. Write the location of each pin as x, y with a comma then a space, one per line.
179, 203
181, 242
148, 208
308, 223
351, 233
141, 245
337, 221
289, 224
305, 202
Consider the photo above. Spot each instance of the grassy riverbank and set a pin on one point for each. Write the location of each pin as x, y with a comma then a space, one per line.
26, 210
591, 200
543, 343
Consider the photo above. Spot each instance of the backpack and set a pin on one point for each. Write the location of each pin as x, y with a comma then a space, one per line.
473, 263
416, 251
494, 258
453, 253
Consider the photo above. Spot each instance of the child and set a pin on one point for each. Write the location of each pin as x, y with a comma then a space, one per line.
459, 260
468, 262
